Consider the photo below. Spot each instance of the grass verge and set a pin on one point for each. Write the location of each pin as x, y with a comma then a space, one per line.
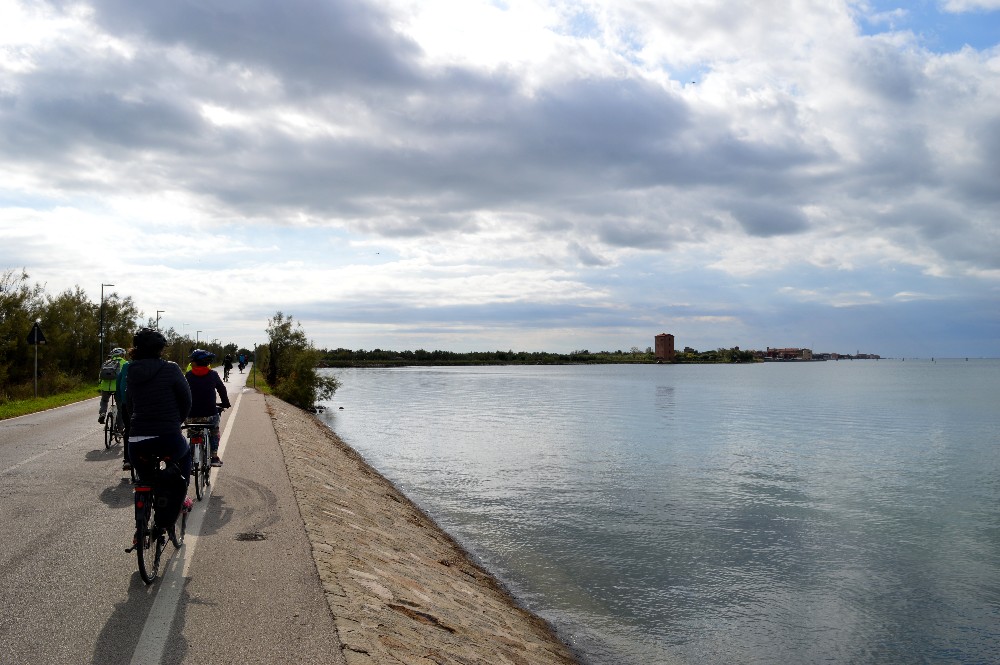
21, 407
256, 380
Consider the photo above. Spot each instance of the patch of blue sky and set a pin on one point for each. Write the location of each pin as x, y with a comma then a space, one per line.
690, 75
31, 201
938, 30
583, 24
313, 245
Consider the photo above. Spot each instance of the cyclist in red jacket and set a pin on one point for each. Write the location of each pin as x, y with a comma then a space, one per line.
205, 382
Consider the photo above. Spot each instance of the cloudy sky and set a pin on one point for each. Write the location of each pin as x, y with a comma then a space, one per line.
515, 174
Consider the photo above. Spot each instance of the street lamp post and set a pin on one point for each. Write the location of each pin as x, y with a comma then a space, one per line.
37, 321
101, 333
158, 312
196, 333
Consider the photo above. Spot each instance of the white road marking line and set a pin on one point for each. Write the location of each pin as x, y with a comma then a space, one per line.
156, 630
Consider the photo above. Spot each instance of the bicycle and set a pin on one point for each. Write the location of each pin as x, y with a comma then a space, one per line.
149, 542
200, 436
112, 425
225, 373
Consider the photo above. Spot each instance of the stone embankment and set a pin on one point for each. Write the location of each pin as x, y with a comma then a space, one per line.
400, 589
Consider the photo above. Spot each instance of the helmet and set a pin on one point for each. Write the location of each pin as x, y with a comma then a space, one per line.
118, 351
148, 339
201, 355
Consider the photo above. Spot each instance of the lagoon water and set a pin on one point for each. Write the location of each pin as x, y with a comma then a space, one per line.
826, 512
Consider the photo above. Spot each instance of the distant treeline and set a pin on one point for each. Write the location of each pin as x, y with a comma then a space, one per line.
385, 358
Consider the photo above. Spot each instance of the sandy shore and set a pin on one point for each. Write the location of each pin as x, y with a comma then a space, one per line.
400, 589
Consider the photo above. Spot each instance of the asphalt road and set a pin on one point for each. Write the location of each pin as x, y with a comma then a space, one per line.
242, 589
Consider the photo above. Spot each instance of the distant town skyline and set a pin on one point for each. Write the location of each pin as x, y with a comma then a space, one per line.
470, 175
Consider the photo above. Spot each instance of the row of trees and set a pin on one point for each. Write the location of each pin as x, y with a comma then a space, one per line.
71, 323
73, 350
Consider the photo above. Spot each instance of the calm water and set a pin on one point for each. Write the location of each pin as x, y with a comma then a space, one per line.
837, 512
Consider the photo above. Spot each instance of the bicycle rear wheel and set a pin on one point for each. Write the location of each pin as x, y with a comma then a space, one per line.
118, 432
109, 429
148, 548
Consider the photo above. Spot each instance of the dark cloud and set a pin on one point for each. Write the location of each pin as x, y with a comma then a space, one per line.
885, 71
765, 219
430, 225
628, 233
586, 256
313, 47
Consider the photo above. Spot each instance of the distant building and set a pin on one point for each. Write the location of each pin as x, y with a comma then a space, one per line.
664, 347
789, 354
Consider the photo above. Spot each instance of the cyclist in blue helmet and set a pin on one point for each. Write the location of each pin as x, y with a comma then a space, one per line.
205, 383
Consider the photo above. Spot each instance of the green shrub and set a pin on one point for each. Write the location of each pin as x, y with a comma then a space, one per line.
289, 363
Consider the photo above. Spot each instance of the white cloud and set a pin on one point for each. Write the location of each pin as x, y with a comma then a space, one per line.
971, 5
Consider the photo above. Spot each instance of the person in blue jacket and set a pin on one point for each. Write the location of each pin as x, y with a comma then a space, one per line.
205, 383
124, 416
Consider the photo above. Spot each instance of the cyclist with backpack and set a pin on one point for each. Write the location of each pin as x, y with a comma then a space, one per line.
108, 378
205, 383
158, 399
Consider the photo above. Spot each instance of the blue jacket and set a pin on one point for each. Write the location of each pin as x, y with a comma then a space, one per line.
205, 382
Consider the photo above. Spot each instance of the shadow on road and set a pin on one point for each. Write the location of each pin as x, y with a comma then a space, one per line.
103, 454
118, 496
117, 641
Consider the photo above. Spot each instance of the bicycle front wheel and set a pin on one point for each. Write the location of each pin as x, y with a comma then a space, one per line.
206, 461
147, 549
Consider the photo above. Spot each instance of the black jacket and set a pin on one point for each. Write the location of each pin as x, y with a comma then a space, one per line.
158, 397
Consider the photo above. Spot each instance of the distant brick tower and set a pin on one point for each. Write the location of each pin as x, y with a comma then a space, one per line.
665, 347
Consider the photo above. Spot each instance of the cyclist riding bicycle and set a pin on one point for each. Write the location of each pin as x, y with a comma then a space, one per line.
158, 399
109, 380
227, 364
205, 382
124, 415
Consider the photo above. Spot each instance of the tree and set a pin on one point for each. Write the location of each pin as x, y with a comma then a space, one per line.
20, 306
70, 323
289, 362
120, 321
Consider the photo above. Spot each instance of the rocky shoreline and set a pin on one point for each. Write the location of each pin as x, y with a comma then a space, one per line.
401, 590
